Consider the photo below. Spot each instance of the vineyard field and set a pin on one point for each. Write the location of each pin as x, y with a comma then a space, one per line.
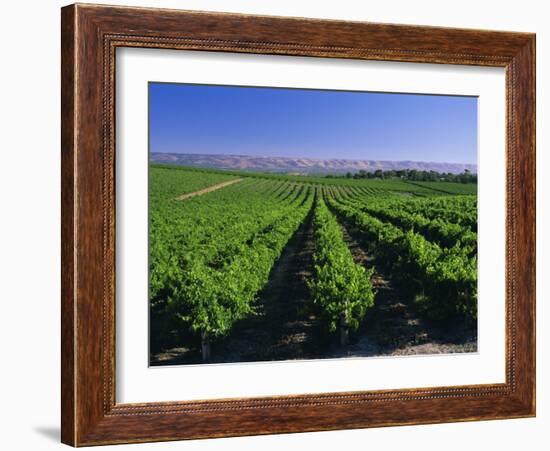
448, 187
375, 185
166, 183
252, 266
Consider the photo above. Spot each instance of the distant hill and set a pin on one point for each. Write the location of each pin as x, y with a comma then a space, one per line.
301, 165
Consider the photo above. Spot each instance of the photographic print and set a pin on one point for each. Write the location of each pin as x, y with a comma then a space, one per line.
292, 224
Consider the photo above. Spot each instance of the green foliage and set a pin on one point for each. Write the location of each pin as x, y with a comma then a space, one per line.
341, 287
414, 175
453, 280
210, 255
376, 185
464, 187
175, 183
445, 279
436, 229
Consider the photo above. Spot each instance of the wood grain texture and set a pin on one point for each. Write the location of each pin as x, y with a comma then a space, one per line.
68, 313
90, 36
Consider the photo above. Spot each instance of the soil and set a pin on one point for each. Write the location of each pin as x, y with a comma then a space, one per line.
207, 189
284, 327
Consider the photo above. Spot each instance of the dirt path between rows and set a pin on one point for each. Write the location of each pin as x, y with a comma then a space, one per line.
208, 189
394, 326
283, 326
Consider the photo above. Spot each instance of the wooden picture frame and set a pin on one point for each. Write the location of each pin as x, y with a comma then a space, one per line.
90, 36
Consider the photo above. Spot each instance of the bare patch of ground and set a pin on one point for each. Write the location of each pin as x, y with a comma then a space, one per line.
170, 356
208, 189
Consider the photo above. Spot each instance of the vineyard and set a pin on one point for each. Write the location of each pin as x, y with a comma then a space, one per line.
249, 266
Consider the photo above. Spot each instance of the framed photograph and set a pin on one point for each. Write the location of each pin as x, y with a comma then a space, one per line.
278, 225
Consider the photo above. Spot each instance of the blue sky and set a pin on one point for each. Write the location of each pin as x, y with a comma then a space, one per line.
304, 123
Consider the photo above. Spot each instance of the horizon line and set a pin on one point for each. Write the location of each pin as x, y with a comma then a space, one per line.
309, 158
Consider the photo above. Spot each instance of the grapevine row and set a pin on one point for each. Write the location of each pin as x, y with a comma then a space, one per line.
445, 280
340, 287
211, 300
447, 234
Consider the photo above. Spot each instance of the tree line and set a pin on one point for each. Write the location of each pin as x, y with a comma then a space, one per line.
412, 175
